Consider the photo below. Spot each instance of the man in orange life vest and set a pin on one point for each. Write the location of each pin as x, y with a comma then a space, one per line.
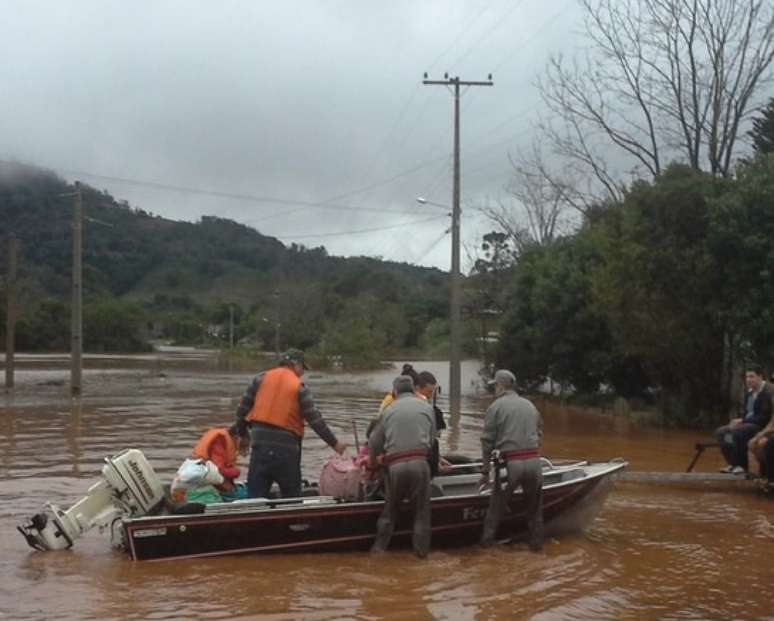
274, 407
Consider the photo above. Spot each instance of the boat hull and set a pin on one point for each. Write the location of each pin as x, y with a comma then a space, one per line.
456, 520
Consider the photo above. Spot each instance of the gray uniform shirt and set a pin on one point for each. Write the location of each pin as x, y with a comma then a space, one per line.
511, 423
407, 423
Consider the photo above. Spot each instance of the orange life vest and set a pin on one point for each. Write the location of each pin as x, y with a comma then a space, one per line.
276, 402
202, 448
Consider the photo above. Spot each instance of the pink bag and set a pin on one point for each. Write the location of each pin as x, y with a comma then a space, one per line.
340, 478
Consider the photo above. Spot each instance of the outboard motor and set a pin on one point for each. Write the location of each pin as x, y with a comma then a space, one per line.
129, 488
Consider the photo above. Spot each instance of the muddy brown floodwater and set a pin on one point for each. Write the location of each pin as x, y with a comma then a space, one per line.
655, 552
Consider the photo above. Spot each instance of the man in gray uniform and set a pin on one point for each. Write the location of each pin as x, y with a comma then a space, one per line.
405, 434
514, 427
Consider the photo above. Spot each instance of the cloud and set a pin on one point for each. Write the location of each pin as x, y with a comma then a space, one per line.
296, 100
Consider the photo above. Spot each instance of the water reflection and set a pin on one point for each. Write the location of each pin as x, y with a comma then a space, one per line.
655, 552
74, 436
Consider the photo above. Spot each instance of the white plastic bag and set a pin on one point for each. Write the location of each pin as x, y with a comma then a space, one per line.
213, 475
195, 472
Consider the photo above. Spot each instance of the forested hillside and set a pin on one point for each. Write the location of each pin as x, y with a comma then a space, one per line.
148, 276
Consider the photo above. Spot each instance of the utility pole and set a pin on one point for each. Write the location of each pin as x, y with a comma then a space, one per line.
455, 301
76, 329
277, 323
231, 326
10, 315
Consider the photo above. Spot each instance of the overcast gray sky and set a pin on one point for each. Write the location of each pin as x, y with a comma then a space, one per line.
297, 101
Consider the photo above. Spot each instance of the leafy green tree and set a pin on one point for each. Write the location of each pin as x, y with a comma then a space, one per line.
435, 337
762, 133
740, 240
661, 289
114, 325
552, 327
45, 326
355, 336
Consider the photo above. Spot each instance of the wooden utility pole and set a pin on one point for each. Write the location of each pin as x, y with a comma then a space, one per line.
455, 301
231, 326
277, 323
76, 328
10, 315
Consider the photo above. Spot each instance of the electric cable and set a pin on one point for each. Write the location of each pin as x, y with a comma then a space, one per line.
359, 231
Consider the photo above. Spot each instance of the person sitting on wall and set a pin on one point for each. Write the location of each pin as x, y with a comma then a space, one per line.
735, 437
761, 446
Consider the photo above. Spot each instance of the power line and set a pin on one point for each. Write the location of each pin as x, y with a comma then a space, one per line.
407, 104
355, 232
433, 186
413, 169
486, 33
547, 23
430, 248
458, 37
232, 195
523, 44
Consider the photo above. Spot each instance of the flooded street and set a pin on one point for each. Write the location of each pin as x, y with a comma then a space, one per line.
655, 552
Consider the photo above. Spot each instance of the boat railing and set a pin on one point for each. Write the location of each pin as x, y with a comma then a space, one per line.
252, 504
547, 465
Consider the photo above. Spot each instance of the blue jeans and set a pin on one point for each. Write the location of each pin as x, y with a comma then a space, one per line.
275, 458
733, 442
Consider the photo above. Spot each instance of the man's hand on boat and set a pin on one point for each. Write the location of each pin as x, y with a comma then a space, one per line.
244, 445
484, 480
340, 447
444, 465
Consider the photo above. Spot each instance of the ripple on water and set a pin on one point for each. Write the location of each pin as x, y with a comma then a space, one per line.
654, 552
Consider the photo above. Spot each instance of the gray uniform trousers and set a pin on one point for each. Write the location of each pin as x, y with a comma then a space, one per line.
529, 474
406, 480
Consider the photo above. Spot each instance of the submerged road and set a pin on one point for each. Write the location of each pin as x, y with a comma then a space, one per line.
668, 551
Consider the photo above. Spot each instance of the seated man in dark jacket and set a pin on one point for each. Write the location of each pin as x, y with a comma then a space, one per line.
735, 436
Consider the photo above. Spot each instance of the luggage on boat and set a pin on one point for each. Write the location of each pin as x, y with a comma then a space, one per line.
199, 472
340, 478
195, 475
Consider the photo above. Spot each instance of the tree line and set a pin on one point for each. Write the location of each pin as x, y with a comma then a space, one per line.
147, 277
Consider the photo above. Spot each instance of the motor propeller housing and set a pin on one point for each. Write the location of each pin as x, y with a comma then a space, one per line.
129, 487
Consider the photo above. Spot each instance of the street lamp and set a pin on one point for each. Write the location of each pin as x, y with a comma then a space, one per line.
423, 201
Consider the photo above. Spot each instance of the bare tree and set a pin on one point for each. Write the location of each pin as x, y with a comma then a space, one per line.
537, 210
661, 80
